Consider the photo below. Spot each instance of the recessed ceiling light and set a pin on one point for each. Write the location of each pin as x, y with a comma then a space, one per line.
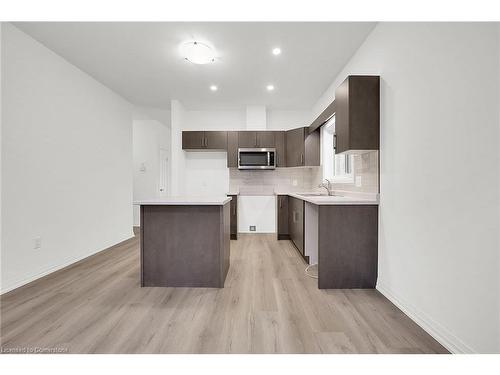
213, 88
276, 51
197, 52
270, 87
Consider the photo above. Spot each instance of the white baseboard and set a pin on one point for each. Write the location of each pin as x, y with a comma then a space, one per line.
433, 328
67, 262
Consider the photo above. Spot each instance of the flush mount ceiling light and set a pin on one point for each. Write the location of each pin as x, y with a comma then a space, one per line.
270, 87
213, 88
197, 52
276, 51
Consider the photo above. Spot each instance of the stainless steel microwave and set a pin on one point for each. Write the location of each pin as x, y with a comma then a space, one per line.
256, 158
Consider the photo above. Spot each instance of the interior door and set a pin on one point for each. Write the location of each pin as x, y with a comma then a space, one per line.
163, 180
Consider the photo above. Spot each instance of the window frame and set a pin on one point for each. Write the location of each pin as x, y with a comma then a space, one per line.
349, 160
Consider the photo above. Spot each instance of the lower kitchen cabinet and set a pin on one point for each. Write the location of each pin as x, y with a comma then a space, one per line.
282, 217
347, 246
296, 224
234, 216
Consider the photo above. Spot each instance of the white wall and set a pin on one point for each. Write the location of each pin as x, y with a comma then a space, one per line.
149, 137
66, 162
287, 119
258, 210
177, 155
215, 120
439, 217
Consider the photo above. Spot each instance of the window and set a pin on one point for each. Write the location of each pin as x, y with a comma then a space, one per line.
336, 168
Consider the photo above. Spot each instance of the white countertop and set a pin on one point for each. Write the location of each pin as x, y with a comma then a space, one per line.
184, 201
340, 199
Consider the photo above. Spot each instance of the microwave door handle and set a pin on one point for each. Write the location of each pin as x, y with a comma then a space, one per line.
269, 158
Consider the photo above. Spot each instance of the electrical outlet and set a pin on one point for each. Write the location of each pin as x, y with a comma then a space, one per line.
252, 228
37, 243
295, 182
358, 181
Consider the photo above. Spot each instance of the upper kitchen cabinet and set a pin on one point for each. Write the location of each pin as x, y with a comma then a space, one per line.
302, 147
232, 149
279, 144
193, 140
204, 140
251, 139
357, 114
265, 139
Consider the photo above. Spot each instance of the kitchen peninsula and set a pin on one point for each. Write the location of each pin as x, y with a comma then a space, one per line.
185, 241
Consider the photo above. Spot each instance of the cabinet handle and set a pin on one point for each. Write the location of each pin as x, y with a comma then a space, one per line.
256, 142
206, 142
302, 159
281, 202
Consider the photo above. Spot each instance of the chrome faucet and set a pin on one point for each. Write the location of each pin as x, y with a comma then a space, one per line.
327, 184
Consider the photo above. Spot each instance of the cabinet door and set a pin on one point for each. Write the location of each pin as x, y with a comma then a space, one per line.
312, 148
232, 149
296, 223
247, 139
295, 147
265, 139
216, 140
282, 210
234, 216
279, 141
193, 140
342, 117
357, 114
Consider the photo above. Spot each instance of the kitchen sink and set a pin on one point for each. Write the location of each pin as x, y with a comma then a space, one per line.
318, 195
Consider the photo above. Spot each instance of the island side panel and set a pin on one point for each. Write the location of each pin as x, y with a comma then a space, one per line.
348, 246
181, 246
225, 240
141, 239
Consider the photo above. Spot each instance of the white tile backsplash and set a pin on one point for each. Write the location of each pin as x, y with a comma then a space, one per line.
256, 182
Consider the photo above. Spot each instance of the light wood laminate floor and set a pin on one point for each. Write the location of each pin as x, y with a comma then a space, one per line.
268, 305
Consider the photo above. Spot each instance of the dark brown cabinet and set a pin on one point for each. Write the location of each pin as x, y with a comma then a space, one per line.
296, 223
265, 139
279, 144
282, 217
294, 148
232, 149
249, 139
357, 114
302, 148
199, 140
234, 217
193, 140
347, 246
216, 140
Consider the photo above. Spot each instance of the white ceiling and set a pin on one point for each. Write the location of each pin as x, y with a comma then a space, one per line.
141, 60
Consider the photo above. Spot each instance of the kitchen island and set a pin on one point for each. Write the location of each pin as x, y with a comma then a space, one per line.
185, 241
